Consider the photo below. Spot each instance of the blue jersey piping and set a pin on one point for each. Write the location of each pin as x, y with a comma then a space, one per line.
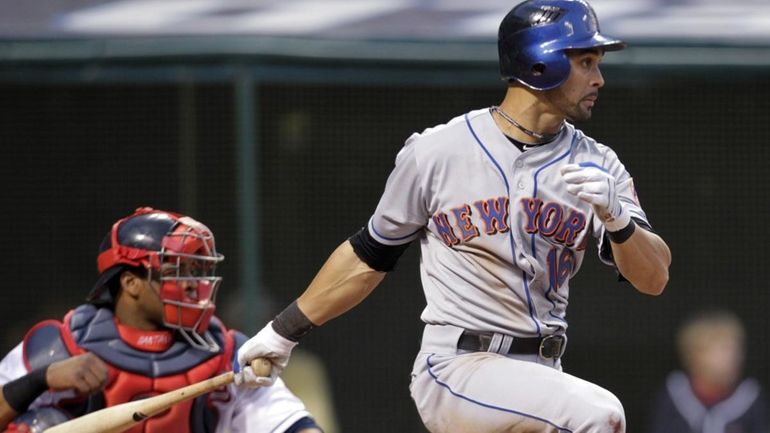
510, 232
487, 405
532, 237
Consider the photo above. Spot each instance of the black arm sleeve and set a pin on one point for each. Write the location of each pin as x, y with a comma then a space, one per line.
379, 257
20, 393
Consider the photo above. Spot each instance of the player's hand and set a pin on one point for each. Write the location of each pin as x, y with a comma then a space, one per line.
266, 344
593, 184
83, 374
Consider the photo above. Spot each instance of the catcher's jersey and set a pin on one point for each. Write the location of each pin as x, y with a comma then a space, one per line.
500, 236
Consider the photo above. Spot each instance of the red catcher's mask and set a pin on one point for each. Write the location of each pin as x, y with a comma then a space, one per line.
178, 252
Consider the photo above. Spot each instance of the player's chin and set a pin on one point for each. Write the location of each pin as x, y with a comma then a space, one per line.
580, 115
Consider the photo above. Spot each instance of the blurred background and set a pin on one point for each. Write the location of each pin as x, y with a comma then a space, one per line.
276, 123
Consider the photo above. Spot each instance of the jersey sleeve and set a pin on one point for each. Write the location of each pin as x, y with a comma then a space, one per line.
270, 409
401, 213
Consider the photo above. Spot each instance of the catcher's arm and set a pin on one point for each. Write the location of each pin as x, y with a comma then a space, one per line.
83, 374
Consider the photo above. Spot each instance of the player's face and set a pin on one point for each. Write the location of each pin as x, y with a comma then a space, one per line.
139, 305
180, 275
152, 306
577, 96
152, 303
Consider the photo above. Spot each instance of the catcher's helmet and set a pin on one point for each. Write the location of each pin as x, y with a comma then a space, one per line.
534, 35
175, 250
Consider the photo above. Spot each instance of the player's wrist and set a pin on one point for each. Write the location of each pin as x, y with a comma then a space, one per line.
291, 323
277, 342
21, 392
614, 220
622, 235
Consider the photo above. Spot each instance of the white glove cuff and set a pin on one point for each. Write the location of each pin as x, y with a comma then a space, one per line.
276, 341
614, 224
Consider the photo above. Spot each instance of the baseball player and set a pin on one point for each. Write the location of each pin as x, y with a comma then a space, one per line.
148, 328
502, 201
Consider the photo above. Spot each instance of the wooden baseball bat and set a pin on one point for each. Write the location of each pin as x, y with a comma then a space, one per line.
118, 418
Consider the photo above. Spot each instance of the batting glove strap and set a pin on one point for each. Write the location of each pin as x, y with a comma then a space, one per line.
615, 220
278, 344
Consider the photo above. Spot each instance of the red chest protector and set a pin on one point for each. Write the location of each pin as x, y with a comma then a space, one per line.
142, 364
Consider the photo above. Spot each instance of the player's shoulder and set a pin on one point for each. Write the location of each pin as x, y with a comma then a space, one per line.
443, 142
448, 131
584, 142
51, 340
587, 145
44, 344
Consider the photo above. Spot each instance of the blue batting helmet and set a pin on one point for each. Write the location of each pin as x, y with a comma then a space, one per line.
534, 35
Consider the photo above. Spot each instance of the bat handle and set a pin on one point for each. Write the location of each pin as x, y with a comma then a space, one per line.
262, 367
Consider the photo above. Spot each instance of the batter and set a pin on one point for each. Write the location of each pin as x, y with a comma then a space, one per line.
502, 201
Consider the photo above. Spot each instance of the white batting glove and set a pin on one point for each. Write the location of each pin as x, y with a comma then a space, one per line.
593, 184
266, 344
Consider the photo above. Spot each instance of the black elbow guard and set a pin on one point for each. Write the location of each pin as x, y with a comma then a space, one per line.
379, 257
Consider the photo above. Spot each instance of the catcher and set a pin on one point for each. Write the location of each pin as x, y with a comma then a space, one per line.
148, 328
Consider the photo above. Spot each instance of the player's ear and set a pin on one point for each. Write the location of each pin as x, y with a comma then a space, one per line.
131, 283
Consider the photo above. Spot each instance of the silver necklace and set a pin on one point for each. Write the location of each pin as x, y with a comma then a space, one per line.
542, 137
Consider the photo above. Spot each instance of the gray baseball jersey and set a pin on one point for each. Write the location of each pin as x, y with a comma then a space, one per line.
500, 239
500, 236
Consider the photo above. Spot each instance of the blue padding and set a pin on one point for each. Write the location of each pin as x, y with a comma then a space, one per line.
44, 346
94, 330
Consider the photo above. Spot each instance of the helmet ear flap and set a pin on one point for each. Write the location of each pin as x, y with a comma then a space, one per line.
550, 71
542, 71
